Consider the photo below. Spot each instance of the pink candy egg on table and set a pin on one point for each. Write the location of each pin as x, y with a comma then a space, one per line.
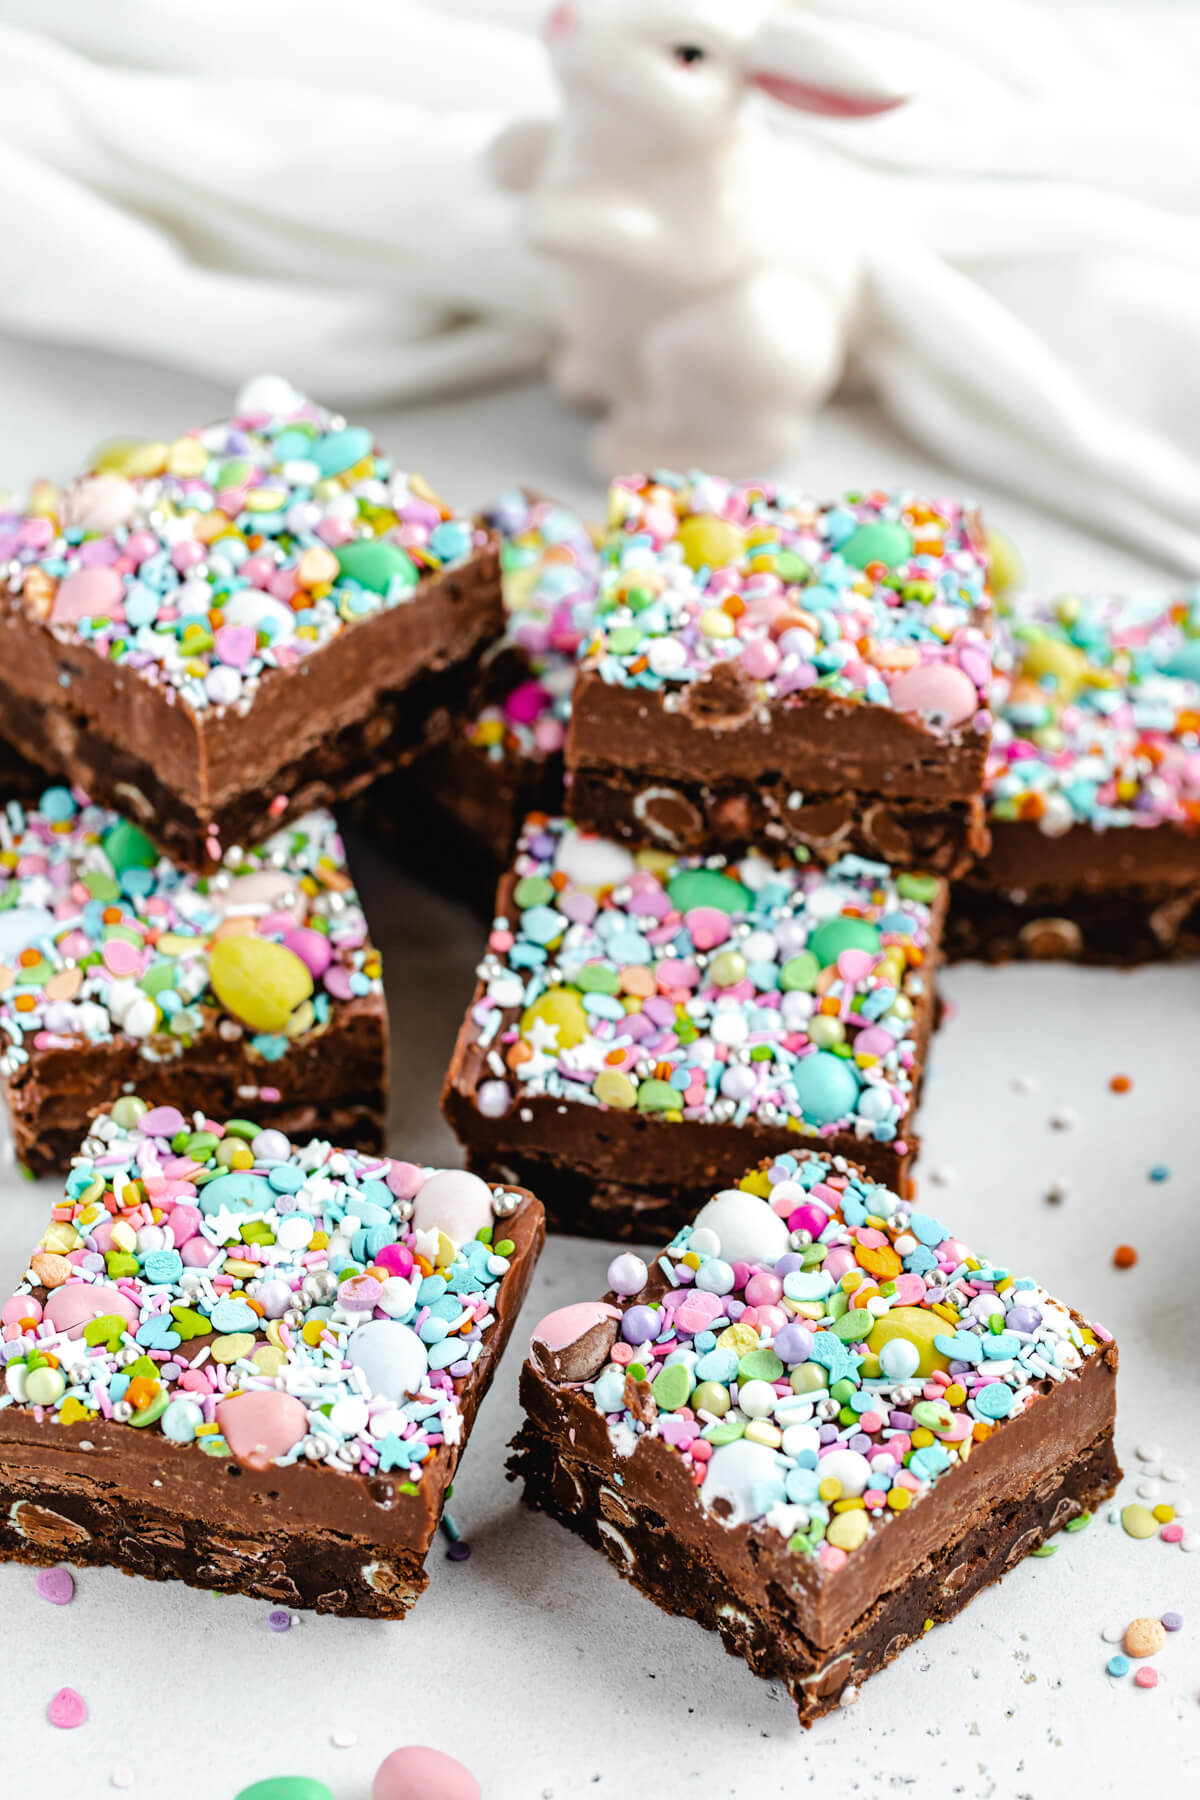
417, 1773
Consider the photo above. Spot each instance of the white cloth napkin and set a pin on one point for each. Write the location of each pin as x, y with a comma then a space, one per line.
300, 185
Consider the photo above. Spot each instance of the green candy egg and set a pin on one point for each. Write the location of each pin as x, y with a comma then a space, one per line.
708, 887
829, 940
882, 542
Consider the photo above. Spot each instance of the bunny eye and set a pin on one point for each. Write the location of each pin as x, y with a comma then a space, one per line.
688, 53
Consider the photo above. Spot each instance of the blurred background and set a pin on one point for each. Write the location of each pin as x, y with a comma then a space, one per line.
292, 186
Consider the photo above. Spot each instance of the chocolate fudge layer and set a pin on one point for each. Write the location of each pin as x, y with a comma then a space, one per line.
1093, 786
255, 991
464, 801
767, 669
644, 1023
817, 1424
253, 1365
218, 634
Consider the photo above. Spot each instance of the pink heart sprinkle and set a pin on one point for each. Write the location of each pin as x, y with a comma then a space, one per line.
86, 594
67, 1709
120, 957
56, 1585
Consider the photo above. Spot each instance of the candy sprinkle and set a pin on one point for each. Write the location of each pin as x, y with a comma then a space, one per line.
1146, 1678
1160, 1172
67, 1709
279, 1620
1172, 1621
1120, 1084
1118, 1665
1138, 1521
56, 1585
1124, 1256
1144, 1637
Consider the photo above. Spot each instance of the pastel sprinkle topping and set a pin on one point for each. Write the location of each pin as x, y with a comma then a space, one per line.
100, 937
236, 549
254, 1298
708, 989
820, 1353
880, 598
1097, 706
550, 569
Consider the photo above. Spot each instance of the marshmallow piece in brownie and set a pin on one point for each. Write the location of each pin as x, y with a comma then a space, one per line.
818, 1423
219, 633
253, 991
767, 668
210, 1300
644, 1023
1093, 784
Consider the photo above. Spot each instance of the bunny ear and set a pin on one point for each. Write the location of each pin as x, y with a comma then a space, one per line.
816, 66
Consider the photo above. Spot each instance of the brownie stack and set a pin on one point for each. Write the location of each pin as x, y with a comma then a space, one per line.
775, 756
204, 646
728, 759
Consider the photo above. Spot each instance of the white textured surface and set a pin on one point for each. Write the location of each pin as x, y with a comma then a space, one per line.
533, 1662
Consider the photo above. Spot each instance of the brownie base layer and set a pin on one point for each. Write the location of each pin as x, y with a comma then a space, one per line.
695, 816
304, 1536
331, 1084
314, 735
626, 1203
641, 1544
1122, 896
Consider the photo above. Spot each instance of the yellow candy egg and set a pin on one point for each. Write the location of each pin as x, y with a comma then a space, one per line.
146, 459
919, 1328
259, 982
560, 1013
231, 1348
187, 457
848, 1530
1045, 656
613, 1088
708, 542
715, 623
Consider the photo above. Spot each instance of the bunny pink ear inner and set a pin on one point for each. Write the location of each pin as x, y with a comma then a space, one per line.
830, 103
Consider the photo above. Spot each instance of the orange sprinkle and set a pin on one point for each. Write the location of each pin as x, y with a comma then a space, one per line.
558, 881
614, 1057
29, 959
1124, 1256
518, 1053
1121, 1084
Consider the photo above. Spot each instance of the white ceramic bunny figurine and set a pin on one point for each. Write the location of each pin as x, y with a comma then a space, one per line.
703, 306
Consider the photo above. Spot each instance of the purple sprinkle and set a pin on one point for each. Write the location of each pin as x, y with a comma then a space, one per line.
459, 1552
1172, 1621
279, 1620
58, 1586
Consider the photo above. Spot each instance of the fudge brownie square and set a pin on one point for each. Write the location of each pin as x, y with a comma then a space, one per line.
464, 801
767, 669
1093, 785
210, 1301
220, 633
253, 991
818, 1424
644, 1023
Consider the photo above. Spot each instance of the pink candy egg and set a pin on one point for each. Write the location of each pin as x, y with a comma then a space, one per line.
259, 1426
72, 1307
939, 689
416, 1773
